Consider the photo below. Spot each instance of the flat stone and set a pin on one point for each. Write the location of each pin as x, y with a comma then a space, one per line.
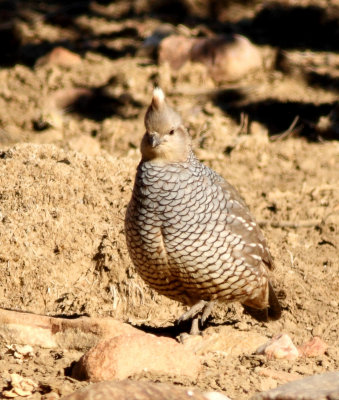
49, 332
132, 390
317, 387
230, 342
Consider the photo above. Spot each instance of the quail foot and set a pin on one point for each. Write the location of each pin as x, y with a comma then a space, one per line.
189, 233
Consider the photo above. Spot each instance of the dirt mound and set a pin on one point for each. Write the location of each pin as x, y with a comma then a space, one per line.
62, 237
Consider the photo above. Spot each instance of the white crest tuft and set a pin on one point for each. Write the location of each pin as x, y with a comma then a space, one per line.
158, 97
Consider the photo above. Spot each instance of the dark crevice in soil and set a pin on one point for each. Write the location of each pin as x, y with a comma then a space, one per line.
297, 27
277, 116
324, 81
98, 105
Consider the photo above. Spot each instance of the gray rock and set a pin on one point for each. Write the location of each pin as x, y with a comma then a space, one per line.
133, 390
317, 387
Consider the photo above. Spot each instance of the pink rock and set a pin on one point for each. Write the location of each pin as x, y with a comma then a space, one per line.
175, 50
125, 355
313, 348
281, 346
227, 57
59, 56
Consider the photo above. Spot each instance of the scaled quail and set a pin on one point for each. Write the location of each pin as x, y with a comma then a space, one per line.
189, 233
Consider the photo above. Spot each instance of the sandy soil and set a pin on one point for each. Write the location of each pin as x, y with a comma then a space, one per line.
69, 139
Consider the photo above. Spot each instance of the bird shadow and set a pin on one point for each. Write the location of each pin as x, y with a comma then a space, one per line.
171, 331
174, 331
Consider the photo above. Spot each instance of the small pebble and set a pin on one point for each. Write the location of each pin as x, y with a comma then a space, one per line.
215, 396
281, 346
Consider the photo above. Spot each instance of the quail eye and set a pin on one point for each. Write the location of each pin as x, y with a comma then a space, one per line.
171, 132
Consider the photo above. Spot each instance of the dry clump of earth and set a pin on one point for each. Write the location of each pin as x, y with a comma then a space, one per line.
69, 137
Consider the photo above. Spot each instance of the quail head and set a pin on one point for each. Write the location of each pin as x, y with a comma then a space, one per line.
189, 233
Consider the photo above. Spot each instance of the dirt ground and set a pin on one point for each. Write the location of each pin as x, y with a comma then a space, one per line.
69, 137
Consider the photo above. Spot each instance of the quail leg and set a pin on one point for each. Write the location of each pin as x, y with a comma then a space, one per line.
195, 327
193, 311
202, 307
207, 312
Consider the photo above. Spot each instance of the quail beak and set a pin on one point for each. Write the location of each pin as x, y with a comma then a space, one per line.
154, 139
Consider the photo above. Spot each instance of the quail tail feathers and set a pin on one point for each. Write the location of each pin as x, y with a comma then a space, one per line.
272, 312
